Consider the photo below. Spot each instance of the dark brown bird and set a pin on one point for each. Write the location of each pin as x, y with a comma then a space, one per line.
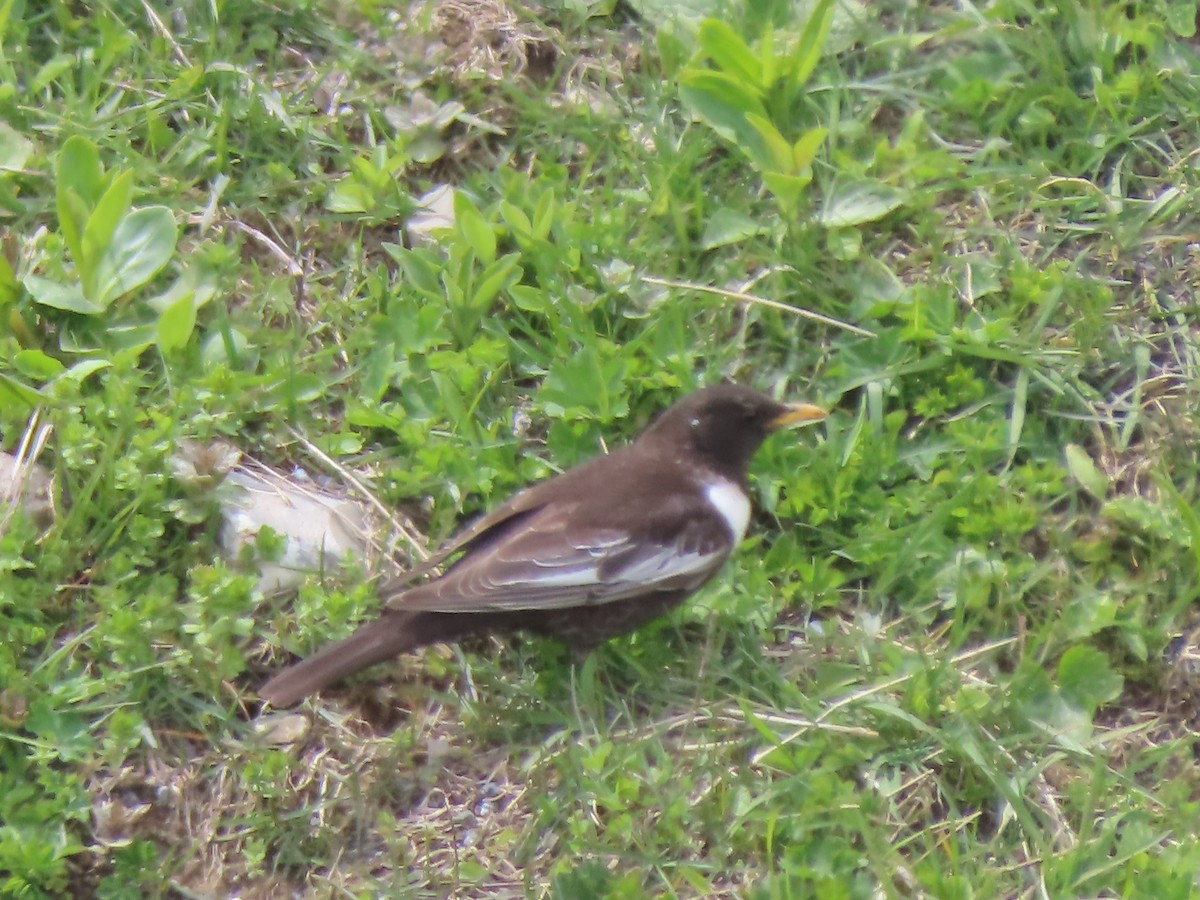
587, 555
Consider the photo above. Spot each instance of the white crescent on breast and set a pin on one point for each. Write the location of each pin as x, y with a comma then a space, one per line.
732, 503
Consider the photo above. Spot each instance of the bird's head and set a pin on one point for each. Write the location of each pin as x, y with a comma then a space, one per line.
726, 424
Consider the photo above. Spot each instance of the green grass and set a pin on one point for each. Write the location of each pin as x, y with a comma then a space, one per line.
956, 658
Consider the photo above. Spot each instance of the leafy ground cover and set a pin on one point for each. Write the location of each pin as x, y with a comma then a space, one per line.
959, 656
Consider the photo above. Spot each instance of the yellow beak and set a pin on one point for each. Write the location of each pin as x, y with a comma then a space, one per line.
795, 414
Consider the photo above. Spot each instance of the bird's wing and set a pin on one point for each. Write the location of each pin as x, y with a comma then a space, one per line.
519, 506
548, 562
496, 526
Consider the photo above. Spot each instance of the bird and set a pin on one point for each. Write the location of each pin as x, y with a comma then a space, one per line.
592, 553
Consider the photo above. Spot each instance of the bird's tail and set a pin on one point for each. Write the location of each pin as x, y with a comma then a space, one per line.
373, 643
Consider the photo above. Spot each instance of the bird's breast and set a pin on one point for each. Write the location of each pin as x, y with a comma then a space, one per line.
732, 503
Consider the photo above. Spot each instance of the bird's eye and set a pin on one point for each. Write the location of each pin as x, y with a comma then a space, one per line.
694, 421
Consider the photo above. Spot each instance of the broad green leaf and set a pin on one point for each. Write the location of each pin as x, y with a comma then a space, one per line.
745, 98
418, 269
78, 337
17, 393
60, 296
1181, 17
226, 348
195, 281
141, 245
343, 443
726, 48
205, 282
86, 367
50, 71
15, 149
980, 276
36, 364
73, 214
727, 226
61, 728
528, 298
130, 341
786, 188
348, 196
812, 39
543, 215
427, 147
372, 171
474, 229
516, 220
78, 168
302, 387
585, 386
860, 202
499, 274
672, 51
1090, 612
771, 64
1086, 678
107, 212
779, 151
363, 416
1081, 467
722, 103
1045, 705
176, 323
804, 151
844, 244
113, 206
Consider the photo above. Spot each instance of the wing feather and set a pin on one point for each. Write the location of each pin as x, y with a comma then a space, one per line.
544, 565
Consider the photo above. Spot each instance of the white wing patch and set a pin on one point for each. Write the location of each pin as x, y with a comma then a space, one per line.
667, 563
732, 503
567, 577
